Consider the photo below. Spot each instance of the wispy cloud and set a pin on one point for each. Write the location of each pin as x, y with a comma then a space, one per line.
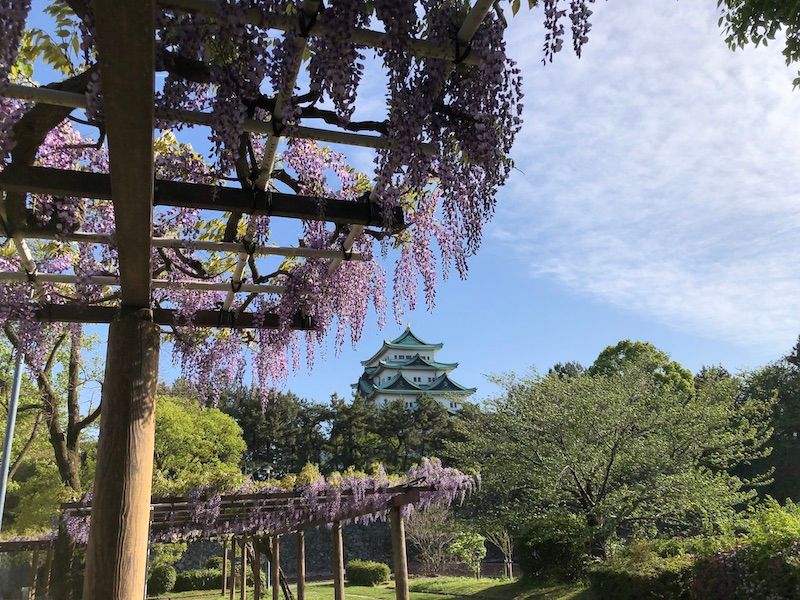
661, 173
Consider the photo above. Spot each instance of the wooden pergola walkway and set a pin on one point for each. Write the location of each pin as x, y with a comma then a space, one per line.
173, 520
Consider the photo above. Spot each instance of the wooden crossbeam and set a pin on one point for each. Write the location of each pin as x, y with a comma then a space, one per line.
81, 184
77, 313
361, 37
162, 284
44, 95
87, 237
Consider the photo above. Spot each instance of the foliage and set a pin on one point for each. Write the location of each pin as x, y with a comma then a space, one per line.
198, 579
367, 572
638, 572
470, 548
779, 381
646, 357
215, 562
554, 547
431, 532
763, 565
162, 579
280, 440
758, 22
621, 450
194, 447
295, 432
165, 555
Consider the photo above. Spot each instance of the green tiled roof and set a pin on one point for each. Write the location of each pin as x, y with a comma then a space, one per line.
407, 338
416, 361
445, 384
405, 341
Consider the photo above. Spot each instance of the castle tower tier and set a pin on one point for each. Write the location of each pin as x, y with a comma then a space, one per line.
406, 368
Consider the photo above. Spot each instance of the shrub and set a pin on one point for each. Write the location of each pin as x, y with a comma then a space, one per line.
215, 562
554, 547
638, 572
367, 572
764, 565
198, 579
162, 579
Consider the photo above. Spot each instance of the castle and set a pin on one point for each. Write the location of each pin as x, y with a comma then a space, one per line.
406, 368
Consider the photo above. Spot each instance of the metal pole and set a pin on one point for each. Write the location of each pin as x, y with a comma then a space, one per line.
12, 419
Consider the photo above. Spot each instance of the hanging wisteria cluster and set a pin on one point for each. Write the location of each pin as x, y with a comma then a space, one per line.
450, 125
256, 509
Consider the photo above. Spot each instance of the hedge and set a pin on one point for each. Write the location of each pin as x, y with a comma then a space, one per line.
367, 572
198, 579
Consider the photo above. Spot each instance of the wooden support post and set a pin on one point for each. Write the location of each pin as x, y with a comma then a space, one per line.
301, 565
243, 588
256, 567
338, 561
399, 558
116, 556
48, 570
34, 573
224, 565
275, 566
233, 569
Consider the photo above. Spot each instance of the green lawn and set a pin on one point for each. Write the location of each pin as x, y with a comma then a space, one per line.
437, 588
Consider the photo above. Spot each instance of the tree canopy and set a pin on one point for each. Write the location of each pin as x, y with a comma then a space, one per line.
620, 449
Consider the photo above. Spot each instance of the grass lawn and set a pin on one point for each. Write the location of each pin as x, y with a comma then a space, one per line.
437, 588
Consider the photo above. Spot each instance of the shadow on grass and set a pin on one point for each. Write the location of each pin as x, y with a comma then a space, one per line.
495, 590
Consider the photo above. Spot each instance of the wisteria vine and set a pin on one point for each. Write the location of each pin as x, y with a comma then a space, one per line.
450, 126
355, 498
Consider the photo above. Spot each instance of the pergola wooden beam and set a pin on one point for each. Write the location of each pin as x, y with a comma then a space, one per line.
87, 237
45, 95
116, 556
362, 37
113, 281
82, 184
76, 313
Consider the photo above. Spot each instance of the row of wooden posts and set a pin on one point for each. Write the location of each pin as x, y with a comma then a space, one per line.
251, 549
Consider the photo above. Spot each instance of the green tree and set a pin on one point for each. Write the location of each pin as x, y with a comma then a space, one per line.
353, 441
195, 446
470, 548
282, 438
780, 381
644, 356
621, 450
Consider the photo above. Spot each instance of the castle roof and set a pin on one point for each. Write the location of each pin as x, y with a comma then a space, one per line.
405, 341
399, 384
416, 361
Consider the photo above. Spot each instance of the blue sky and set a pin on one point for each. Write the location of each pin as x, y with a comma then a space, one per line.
656, 198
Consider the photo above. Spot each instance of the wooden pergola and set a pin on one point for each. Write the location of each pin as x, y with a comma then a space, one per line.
125, 38
172, 519
37, 547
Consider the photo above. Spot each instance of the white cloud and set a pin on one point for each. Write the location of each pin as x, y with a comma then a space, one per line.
660, 172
